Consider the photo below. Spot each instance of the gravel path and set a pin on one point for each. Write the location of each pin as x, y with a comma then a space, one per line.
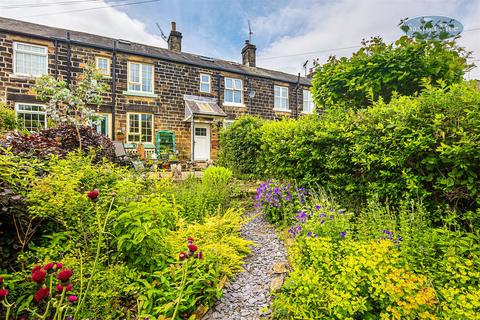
248, 295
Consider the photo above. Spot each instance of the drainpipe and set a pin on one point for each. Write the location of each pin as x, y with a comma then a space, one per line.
192, 126
68, 58
56, 59
296, 96
219, 77
114, 88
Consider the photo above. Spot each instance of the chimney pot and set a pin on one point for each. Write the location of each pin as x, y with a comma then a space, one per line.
175, 39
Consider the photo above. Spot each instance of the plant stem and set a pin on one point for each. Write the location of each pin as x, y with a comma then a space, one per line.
182, 287
59, 304
101, 230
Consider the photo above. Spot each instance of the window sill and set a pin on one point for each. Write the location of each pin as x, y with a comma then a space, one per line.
306, 112
23, 76
134, 145
280, 110
140, 94
232, 104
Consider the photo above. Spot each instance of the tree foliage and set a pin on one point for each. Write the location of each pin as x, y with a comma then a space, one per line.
377, 70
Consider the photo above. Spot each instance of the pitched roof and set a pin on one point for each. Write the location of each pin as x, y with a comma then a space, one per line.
42, 31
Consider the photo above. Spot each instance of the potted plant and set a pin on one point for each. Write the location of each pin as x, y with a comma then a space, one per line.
120, 135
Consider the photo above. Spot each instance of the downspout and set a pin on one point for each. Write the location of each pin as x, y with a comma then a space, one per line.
296, 95
219, 77
114, 88
69, 62
192, 126
56, 59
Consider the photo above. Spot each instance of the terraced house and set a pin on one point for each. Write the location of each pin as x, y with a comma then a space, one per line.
151, 89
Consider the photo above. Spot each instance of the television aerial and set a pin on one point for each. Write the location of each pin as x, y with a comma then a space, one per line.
162, 34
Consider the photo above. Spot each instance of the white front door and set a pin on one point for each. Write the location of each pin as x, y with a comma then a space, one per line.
201, 139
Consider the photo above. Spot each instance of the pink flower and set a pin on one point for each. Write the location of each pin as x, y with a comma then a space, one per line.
192, 247
93, 195
38, 276
64, 275
182, 255
48, 266
3, 293
41, 294
59, 265
72, 299
69, 287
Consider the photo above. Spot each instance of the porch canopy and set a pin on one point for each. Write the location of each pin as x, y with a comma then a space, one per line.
196, 106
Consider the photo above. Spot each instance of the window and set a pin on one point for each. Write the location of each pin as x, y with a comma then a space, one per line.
32, 116
308, 104
103, 124
103, 66
140, 78
30, 60
281, 98
204, 83
201, 132
140, 127
227, 123
233, 91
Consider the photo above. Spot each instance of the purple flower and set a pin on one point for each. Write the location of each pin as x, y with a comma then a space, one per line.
341, 211
309, 233
302, 216
318, 207
322, 215
343, 234
331, 217
386, 231
332, 210
322, 222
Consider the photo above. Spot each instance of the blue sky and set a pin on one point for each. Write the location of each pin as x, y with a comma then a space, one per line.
286, 32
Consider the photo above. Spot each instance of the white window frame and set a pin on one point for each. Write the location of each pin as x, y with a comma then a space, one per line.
307, 99
139, 127
282, 97
227, 123
109, 123
109, 63
140, 77
209, 83
15, 50
17, 111
231, 103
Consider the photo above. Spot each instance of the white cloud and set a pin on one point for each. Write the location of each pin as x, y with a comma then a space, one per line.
110, 22
336, 24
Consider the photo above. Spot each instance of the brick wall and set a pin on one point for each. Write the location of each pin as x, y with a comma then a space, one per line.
171, 82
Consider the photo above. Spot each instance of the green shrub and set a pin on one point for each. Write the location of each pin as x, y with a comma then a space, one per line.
8, 119
240, 146
377, 70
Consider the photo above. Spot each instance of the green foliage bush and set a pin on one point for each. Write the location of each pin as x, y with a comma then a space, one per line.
240, 146
377, 70
424, 147
8, 119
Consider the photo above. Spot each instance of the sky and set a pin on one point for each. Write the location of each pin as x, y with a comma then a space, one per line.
287, 33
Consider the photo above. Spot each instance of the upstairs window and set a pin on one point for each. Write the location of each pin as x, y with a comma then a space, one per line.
140, 127
140, 77
30, 60
233, 91
281, 98
205, 83
32, 116
103, 66
308, 104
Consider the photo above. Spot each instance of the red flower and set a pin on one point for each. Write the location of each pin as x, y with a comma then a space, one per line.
93, 195
64, 275
72, 299
48, 266
38, 276
41, 294
182, 255
3, 293
200, 255
35, 269
69, 287
1, 280
59, 265
59, 288
192, 247
190, 240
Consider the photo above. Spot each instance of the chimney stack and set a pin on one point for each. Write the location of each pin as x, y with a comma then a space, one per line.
175, 39
248, 54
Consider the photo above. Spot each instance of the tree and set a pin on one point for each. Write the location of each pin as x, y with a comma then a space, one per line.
377, 70
72, 104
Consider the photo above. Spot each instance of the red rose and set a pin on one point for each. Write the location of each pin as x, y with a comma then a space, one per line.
64, 275
59, 265
72, 299
192, 247
35, 269
93, 195
3, 293
200, 255
182, 255
48, 266
41, 294
38, 276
